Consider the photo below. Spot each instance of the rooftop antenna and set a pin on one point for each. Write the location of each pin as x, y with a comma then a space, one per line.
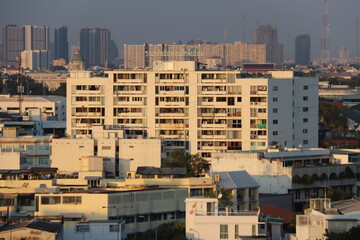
20, 88
225, 31
357, 40
244, 32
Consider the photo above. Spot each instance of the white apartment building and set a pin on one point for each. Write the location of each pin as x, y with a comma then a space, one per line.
205, 111
35, 107
205, 221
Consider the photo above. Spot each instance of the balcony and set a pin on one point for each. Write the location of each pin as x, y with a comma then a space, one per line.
212, 125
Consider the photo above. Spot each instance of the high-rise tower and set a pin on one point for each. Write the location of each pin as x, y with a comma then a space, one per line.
302, 50
61, 43
268, 34
94, 46
28, 37
325, 43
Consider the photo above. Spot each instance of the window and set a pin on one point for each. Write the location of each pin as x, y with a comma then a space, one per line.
253, 230
305, 120
275, 110
305, 98
275, 88
29, 160
236, 232
43, 161
29, 147
306, 87
305, 130
72, 199
44, 147
305, 109
82, 228
50, 200
275, 99
275, 121
275, 133
224, 231
142, 218
114, 228
305, 142
7, 202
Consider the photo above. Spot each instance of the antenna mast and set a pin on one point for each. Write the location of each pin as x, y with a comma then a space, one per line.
357, 40
244, 32
225, 31
20, 89
325, 44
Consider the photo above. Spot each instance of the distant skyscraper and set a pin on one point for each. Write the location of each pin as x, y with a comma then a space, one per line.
61, 43
268, 34
325, 42
16, 39
343, 55
94, 46
14, 43
37, 37
302, 50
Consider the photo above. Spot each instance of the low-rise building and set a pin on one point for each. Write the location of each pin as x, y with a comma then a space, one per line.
306, 173
35, 229
244, 189
141, 209
205, 221
35, 107
323, 218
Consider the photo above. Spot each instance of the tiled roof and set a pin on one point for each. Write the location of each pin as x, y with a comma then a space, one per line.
277, 212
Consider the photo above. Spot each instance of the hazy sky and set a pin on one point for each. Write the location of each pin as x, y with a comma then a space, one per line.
166, 21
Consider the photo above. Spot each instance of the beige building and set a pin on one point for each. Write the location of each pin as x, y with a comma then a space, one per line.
51, 79
141, 210
120, 151
234, 54
23, 152
200, 110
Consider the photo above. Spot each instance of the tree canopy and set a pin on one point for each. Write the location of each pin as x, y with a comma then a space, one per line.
195, 165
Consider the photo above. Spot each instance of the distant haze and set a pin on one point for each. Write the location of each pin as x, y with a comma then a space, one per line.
166, 21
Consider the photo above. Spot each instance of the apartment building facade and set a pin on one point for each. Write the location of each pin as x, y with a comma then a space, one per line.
202, 111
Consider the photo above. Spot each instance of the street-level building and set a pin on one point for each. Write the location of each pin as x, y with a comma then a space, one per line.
200, 110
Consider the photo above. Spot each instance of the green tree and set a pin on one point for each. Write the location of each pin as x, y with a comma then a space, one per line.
171, 231
178, 158
60, 91
330, 115
198, 165
353, 233
225, 199
337, 195
194, 164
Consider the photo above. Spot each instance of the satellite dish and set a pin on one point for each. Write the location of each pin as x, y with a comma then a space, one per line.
219, 196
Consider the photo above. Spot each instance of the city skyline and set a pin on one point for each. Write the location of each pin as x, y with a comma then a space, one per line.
158, 22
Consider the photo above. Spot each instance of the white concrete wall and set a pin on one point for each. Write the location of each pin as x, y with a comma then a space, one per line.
66, 153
